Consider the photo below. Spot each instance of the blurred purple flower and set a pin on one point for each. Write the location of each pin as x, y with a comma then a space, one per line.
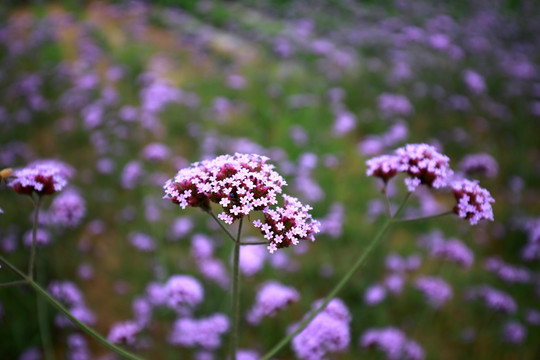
124, 333
393, 343
67, 209
205, 332
513, 332
374, 294
271, 298
436, 290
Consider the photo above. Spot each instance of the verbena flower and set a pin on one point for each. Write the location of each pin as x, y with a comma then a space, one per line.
494, 299
473, 202
205, 332
243, 183
124, 333
287, 225
67, 209
393, 343
421, 162
43, 177
479, 164
436, 290
271, 298
424, 165
507, 272
240, 184
374, 294
513, 332
183, 290
327, 333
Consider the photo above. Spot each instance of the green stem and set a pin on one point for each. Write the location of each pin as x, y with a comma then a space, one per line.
221, 225
402, 205
34, 239
430, 217
334, 291
62, 309
386, 201
254, 243
43, 327
81, 325
13, 283
236, 293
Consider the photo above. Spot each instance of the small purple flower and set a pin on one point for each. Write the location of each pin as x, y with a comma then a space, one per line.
67, 209
43, 237
66, 292
183, 290
142, 241
45, 177
532, 316
474, 81
374, 294
393, 343
384, 167
287, 225
271, 298
124, 333
454, 251
205, 332
332, 223
156, 152
181, 227
394, 105
473, 202
251, 258
31, 354
327, 333
506, 272
77, 348
494, 299
479, 164
80, 312
513, 332
131, 174
436, 290
394, 283
215, 270
424, 165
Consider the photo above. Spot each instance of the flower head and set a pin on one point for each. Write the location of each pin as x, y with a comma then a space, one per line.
393, 343
271, 298
424, 165
287, 225
44, 177
205, 332
240, 184
473, 201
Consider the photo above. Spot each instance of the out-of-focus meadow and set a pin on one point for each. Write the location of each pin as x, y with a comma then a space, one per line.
129, 93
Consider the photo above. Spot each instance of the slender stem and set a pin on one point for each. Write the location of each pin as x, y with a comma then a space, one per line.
254, 243
386, 201
430, 217
81, 325
221, 225
43, 326
401, 205
236, 292
34, 239
13, 268
334, 291
14, 283
63, 310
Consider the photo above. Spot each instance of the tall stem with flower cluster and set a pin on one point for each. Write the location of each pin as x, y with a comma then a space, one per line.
236, 292
385, 226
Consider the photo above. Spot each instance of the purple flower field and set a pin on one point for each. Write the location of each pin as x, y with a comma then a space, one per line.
270, 180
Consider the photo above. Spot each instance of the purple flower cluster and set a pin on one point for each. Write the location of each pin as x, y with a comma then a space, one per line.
205, 332
287, 225
44, 177
513, 332
124, 333
327, 333
183, 291
70, 296
480, 164
393, 343
436, 290
241, 184
494, 299
271, 298
506, 272
421, 162
451, 250
67, 209
473, 202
